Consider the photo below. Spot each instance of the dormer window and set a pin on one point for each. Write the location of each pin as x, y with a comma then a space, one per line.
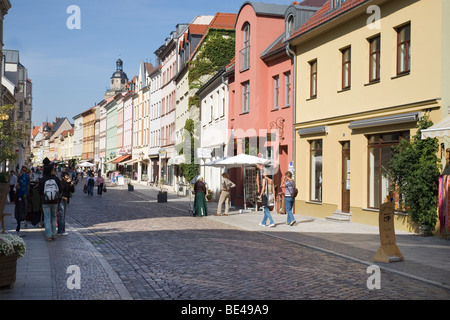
335, 4
289, 26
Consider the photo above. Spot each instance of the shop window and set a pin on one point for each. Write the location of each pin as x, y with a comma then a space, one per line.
380, 153
316, 170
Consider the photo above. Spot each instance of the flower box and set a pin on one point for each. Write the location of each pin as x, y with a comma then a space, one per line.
8, 265
12, 248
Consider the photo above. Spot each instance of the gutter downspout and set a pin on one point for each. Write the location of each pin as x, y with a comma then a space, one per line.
293, 56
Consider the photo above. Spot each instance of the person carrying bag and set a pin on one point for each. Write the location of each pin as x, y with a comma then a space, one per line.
267, 196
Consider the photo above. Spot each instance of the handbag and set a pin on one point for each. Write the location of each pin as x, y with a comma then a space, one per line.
85, 189
104, 189
264, 200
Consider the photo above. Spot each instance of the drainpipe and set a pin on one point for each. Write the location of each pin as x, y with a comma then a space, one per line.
292, 55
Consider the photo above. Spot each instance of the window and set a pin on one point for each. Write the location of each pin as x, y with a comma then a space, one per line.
287, 87
245, 97
346, 67
380, 153
245, 52
313, 79
403, 49
276, 91
374, 59
334, 4
316, 170
289, 25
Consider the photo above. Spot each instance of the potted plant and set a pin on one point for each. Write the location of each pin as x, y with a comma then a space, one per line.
12, 247
162, 193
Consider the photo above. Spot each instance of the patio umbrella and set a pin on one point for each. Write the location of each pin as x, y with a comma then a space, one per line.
86, 164
240, 161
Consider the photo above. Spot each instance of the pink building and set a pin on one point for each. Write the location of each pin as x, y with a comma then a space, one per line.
261, 95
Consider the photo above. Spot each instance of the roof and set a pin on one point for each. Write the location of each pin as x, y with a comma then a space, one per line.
223, 21
197, 28
279, 45
325, 14
270, 9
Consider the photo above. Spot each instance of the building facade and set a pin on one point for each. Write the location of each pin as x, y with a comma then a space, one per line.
362, 85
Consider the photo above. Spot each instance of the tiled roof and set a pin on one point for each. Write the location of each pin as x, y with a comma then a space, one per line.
223, 21
197, 28
325, 14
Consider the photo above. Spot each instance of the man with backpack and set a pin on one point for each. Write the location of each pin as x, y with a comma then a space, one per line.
50, 190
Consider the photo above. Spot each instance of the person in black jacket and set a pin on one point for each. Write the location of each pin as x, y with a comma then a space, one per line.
49, 205
67, 187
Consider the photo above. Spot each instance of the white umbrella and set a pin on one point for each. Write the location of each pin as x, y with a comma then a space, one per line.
240, 161
86, 164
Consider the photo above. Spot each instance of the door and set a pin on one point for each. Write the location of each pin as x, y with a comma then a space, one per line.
345, 177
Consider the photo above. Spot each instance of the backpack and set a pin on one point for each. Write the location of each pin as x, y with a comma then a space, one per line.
51, 190
294, 192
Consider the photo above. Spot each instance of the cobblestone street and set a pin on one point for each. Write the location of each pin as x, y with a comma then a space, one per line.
157, 251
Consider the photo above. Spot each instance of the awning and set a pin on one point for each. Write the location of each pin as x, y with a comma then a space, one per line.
123, 158
129, 162
438, 130
383, 121
112, 160
176, 160
313, 130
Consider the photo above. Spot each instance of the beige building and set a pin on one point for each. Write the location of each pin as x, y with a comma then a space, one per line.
366, 71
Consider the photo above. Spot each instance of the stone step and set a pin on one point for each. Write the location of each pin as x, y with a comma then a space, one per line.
339, 216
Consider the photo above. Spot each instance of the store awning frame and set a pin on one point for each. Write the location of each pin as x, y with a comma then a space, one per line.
439, 130
122, 159
383, 121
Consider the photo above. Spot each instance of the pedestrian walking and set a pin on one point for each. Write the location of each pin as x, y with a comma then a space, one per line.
67, 186
49, 189
90, 183
20, 210
268, 193
200, 207
100, 184
12, 186
289, 197
225, 194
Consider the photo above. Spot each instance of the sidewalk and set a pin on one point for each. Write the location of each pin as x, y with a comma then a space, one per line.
426, 258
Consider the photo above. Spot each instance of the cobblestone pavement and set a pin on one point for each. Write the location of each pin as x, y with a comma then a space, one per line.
149, 250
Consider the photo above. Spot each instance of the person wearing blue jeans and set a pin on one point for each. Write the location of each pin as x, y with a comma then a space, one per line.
50, 199
67, 188
269, 189
50, 213
289, 184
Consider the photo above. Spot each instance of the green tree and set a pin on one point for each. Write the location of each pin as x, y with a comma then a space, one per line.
190, 169
10, 134
415, 169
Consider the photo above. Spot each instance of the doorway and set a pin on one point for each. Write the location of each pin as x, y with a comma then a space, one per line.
345, 176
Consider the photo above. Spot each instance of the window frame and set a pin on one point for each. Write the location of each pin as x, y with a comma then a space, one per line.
314, 184
377, 61
276, 92
407, 50
313, 75
346, 68
379, 145
287, 89
245, 86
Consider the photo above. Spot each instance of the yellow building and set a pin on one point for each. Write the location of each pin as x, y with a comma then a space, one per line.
89, 119
366, 71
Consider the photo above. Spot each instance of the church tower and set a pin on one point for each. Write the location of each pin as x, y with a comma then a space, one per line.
119, 80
